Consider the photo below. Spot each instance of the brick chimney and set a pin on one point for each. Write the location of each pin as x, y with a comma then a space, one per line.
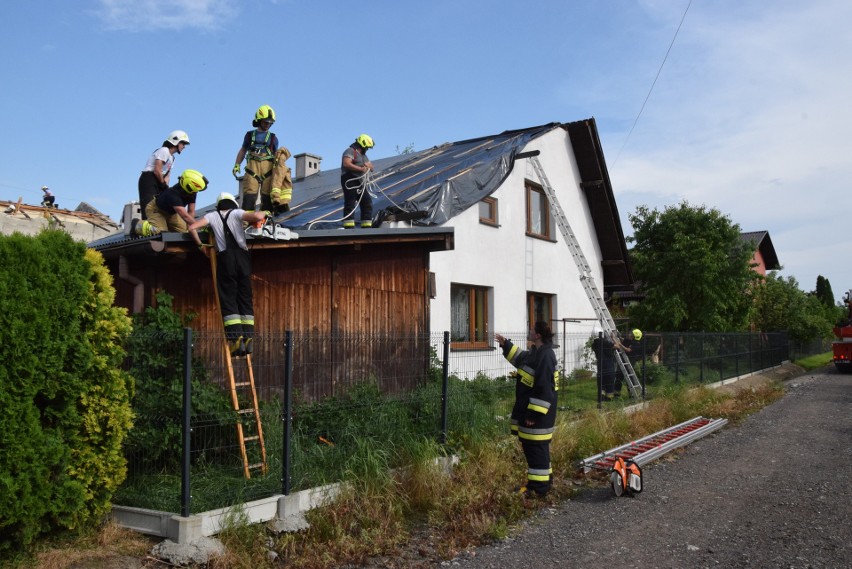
307, 165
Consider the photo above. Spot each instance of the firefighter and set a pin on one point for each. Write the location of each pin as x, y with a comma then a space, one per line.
354, 168
233, 270
266, 166
174, 208
155, 176
534, 413
49, 200
631, 346
603, 347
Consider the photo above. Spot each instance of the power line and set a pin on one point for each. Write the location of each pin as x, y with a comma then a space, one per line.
648, 96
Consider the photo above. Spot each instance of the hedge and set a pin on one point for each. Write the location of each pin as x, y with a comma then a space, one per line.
64, 401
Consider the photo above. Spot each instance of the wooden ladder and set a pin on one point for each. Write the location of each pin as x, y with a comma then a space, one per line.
243, 396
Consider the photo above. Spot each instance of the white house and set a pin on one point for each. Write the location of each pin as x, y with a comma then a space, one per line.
510, 265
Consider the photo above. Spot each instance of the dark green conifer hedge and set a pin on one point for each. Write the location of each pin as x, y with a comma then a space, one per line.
64, 401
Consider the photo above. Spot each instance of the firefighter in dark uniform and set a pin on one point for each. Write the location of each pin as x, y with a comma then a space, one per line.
534, 412
354, 167
233, 270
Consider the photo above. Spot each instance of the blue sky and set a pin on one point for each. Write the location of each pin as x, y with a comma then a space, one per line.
750, 113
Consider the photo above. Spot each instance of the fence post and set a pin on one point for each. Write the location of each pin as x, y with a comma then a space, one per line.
644, 361
600, 369
737, 355
185, 495
445, 388
677, 358
287, 412
703, 356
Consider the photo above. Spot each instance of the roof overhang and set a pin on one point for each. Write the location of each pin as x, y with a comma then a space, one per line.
596, 185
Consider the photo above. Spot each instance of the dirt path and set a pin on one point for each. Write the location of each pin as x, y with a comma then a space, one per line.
774, 491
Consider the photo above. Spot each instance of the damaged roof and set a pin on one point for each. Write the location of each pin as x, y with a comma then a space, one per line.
430, 187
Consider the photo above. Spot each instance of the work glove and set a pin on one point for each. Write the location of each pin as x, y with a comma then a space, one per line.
236, 170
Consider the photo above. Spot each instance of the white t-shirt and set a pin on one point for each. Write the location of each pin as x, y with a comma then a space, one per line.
163, 155
235, 224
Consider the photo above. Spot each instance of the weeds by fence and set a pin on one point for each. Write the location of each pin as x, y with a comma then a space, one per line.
359, 403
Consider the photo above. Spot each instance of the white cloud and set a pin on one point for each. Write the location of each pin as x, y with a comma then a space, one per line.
141, 15
751, 117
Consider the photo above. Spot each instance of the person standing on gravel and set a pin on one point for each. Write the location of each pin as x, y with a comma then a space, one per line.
534, 413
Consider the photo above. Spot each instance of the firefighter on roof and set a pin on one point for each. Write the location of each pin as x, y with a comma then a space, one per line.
266, 166
174, 208
353, 176
155, 176
534, 412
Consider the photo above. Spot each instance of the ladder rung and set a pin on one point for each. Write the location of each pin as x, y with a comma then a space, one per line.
245, 411
256, 465
251, 439
242, 384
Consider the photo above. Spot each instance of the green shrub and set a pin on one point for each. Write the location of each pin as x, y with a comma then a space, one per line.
65, 401
156, 356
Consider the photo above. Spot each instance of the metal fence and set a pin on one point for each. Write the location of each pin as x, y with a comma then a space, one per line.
321, 397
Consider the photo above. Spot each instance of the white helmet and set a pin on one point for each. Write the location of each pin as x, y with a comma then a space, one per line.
226, 197
176, 136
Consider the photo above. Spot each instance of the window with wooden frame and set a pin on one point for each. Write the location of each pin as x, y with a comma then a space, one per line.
539, 222
539, 307
469, 306
488, 211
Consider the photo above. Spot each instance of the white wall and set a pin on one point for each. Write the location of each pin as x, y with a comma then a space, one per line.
506, 260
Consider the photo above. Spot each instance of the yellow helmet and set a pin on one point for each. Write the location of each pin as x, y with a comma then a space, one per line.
637, 334
264, 113
193, 181
365, 141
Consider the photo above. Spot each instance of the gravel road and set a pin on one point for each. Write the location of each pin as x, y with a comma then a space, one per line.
774, 491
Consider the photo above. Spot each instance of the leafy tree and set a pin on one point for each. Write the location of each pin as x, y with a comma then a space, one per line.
694, 270
65, 401
779, 304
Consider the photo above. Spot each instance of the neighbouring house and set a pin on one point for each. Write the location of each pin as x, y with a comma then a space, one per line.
764, 258
83, 224
501, 263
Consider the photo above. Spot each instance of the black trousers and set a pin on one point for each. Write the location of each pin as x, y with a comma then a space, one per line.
148, 190
351, 197
233, 276
539, 475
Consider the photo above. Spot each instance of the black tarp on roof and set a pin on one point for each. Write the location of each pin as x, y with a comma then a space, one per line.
427, 188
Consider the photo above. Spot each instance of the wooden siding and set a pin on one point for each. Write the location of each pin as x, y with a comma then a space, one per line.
358, 313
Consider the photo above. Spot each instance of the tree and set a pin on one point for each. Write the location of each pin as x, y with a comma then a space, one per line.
779, 304
694, 270
823, 292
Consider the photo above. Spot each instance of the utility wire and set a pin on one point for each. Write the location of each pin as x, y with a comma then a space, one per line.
648, 96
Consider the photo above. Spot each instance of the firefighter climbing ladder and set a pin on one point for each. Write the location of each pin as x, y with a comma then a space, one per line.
586, 276
653, 446
243, 398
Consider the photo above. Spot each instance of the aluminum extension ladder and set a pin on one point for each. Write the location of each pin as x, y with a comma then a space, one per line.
243, 397
653, 446
586, 276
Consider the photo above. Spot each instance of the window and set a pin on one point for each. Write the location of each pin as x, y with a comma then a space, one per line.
539, 307
538, 213
488, 211
469, 316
